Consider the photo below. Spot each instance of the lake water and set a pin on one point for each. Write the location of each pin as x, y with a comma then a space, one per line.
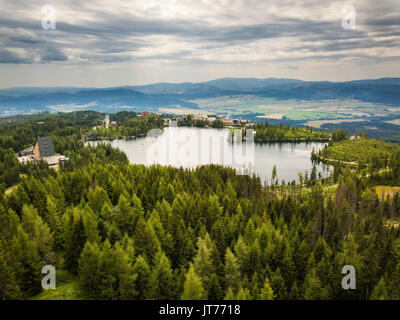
190, 147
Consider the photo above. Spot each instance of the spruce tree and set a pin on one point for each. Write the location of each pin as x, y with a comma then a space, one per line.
232, 271
162, 282
243, 294
214, 288
142, 282
278, 285
146, 241
89, 268
193, 288
28, 272
379, 292
74, 245
313, 288
266, 292
9, 288
202, 263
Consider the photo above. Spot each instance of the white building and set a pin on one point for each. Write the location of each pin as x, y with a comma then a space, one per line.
106, 121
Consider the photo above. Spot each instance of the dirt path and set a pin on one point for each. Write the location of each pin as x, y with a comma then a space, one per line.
322, 158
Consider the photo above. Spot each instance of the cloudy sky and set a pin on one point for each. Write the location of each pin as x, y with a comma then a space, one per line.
126, 42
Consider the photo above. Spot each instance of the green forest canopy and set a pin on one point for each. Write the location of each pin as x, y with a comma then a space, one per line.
119, 231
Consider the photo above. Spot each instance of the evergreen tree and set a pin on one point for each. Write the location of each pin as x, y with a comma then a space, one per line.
142, 271
9, 288
146, 241
126, 278
97, 198
89, 269
38, 232
266, 292
28, 271
243, 294
125, 216
215, 291
229, 294
162, 285
232, 271
74, 244
202, 263
214, 211
193, 288
313, 287
379, 292
278, 285
242, 254
295, 293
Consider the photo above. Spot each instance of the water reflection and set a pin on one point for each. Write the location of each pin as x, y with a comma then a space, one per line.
190, 147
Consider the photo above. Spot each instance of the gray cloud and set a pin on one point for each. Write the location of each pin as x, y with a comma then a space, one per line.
7, 56
49, 54
195, 32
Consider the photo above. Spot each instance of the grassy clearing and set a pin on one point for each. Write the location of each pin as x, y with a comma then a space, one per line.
65, 291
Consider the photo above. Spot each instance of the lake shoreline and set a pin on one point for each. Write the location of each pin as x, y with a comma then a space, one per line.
294, 140
290, 157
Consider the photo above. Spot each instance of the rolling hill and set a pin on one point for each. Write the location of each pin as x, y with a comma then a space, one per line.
155, 96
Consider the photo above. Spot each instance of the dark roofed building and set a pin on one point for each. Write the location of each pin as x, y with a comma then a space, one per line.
44, 150
27, 151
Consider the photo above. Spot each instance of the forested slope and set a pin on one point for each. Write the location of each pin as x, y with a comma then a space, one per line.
124, 231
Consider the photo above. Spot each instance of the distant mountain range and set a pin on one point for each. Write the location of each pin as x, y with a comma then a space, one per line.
154, 96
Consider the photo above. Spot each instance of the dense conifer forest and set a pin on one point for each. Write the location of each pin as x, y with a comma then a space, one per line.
266, 132
122, 231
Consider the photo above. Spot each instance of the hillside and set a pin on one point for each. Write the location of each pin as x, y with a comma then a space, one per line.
361, 151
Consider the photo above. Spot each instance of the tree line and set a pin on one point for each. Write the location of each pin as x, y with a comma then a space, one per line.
266, 132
